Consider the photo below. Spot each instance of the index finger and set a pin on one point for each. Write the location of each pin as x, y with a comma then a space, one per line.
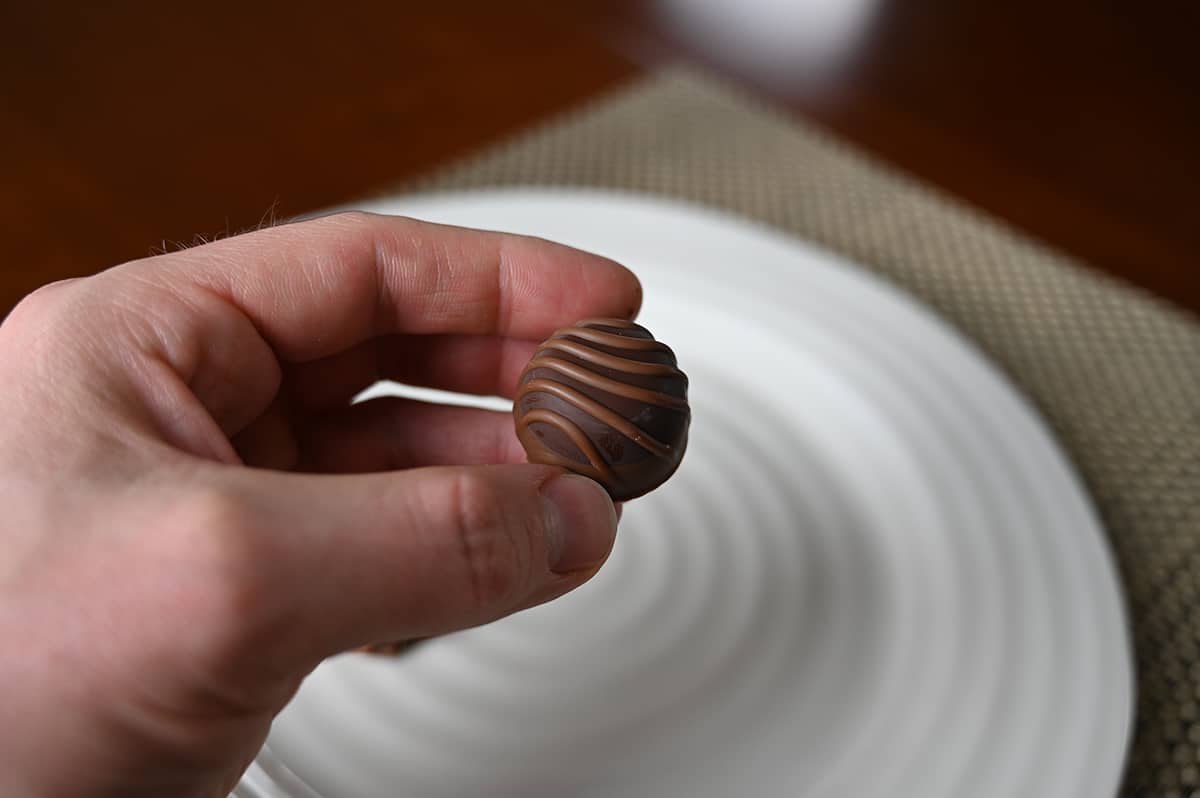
318, 287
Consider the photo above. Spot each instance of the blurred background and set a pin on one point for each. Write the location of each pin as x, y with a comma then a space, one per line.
127, 128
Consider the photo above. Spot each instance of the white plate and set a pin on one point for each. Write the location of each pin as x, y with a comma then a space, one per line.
875, 573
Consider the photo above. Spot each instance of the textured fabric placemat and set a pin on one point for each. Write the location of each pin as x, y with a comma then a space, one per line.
1115, 372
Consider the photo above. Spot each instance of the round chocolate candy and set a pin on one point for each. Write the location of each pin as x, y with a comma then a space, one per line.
606, 400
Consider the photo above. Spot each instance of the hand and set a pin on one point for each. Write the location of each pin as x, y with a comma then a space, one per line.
194, 516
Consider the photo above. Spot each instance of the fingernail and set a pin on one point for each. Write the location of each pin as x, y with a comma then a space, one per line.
581, 523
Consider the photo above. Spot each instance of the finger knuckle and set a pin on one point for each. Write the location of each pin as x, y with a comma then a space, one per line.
40, 302
215, 514
215, 541
496, 558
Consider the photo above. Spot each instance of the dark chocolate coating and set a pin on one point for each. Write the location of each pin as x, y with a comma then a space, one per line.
606, 400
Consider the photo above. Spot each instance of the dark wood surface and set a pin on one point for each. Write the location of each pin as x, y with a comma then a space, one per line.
142, 124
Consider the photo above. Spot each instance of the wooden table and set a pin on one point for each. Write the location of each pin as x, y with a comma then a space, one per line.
129, 128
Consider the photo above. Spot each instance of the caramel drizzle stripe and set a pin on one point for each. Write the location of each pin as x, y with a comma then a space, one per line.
547, 457
601, 413
613, 340
614, 362
603, 383
577, 436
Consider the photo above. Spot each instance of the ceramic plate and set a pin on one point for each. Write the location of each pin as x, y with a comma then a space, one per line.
875, 573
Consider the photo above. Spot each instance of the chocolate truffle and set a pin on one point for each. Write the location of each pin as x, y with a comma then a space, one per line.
605, 400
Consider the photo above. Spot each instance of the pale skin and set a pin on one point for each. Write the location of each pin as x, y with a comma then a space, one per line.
194, 516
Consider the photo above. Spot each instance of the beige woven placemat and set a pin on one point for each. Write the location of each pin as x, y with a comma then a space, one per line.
1115, 372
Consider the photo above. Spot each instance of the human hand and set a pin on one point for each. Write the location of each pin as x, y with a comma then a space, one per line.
194, 515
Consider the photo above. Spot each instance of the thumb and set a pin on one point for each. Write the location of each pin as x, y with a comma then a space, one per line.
397, 556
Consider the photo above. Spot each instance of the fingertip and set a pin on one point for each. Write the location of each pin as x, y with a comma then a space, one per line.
581, 523
555, 284
636, 293
627, 294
